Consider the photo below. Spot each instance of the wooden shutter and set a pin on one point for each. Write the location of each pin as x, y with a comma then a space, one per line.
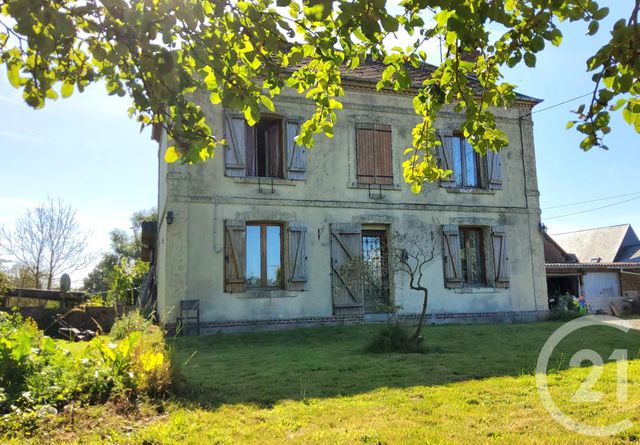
445, 155
383, 154
500, 256
366, 167
374, 154
346, 245
451, 256
274, 150
235, 134
296, 155
297, 260
235, 256
494, 167
250, 152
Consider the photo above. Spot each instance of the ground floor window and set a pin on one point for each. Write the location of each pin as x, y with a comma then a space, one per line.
264, 255
472, 256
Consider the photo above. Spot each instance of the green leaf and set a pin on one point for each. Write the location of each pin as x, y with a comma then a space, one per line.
537, 44
629, 116
13, 74
530, 60
389, 23
267, 103
252, 115
570, 124
601, 13
593, 28
66, 90
557, 37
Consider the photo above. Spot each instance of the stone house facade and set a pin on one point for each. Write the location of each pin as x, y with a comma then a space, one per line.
259, 234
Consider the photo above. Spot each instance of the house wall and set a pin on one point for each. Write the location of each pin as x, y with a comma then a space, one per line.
201, 198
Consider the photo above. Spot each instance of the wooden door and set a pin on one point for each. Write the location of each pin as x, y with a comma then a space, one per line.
346, 247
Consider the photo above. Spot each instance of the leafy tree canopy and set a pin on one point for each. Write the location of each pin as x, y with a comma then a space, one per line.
121, 269
159, 52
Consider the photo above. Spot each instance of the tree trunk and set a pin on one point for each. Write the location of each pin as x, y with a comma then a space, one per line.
418, 333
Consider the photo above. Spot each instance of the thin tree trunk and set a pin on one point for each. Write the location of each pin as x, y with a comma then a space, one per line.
418, 333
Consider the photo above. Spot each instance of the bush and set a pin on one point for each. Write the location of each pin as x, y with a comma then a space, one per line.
19, 339
562, 315
130, 322
38, 377
394, 338
137, 364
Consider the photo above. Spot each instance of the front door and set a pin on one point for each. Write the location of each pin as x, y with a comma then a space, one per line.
376, 279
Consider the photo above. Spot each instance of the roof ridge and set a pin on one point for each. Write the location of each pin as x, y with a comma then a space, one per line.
593, 228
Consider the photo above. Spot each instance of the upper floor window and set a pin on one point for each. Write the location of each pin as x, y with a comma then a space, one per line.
374, 154
266, 150
466, 163
469, 169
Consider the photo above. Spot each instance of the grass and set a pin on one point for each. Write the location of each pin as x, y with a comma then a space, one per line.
475, 384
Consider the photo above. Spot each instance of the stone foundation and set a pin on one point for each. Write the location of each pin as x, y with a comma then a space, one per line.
302, 322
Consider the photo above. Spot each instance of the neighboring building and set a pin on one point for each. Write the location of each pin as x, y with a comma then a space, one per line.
602, 264
259, 235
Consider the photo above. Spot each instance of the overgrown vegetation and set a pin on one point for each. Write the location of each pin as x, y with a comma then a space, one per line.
40, 377
132, 321
320, 386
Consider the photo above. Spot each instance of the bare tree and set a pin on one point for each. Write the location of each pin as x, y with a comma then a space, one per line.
408, 254
46, 242
411, 254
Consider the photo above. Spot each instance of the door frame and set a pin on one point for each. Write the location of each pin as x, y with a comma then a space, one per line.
383, 233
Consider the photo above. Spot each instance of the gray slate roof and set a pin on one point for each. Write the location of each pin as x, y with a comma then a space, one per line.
370, 71
609, 244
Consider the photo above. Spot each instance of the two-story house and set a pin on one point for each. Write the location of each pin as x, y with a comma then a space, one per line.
259, 234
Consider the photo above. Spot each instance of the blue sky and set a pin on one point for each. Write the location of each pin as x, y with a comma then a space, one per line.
566, 174
86, 150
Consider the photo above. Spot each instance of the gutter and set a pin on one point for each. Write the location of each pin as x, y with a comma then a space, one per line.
629, 273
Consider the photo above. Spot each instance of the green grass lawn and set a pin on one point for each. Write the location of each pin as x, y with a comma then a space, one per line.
474, 385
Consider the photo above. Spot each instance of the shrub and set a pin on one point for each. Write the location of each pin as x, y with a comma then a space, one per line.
132, 321
19, 339
38, 377
562, 315
394, 338
139, 363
